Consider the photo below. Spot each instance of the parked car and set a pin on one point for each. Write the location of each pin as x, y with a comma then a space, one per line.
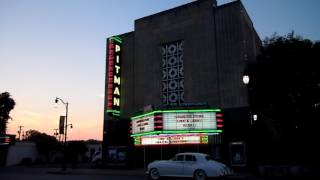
197, 165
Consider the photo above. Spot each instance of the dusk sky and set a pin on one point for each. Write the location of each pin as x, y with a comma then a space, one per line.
56, 48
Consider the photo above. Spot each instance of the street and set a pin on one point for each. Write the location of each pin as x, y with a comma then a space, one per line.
31, 173
49, 173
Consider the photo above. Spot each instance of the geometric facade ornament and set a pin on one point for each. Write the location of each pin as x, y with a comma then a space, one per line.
172, 73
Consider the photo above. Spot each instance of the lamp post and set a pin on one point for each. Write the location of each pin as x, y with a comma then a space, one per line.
246, 80
64, 167
55, 133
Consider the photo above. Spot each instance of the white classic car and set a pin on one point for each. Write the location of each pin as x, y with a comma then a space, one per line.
197, 165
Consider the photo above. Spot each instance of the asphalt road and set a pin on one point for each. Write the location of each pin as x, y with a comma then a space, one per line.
49, 173
66, 177
27, 173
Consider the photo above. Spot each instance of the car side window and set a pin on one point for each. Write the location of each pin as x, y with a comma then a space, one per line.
190, 158
179, 158
209, 158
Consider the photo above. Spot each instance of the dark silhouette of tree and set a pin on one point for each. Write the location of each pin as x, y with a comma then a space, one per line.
285, 93
44, 142
6, 105
93, 141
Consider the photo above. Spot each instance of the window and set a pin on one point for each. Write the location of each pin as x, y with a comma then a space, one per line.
178, 158
209, 158
172, 73
190, 158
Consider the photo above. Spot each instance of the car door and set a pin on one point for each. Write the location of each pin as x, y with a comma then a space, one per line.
188, 165
175, 166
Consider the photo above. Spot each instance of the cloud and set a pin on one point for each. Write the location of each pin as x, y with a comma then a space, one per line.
30, 113
100, 95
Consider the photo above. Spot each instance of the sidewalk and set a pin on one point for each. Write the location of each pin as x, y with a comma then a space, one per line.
114, 172
133, 172
271, 172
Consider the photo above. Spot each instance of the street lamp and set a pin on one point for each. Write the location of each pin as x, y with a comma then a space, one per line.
71, 126
246, 79
64, 167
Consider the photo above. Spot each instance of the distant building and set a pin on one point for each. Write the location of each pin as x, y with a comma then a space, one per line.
174, 84
22, 152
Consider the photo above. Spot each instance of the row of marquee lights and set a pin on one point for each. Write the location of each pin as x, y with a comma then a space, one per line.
114, 45
170, 127
172, 139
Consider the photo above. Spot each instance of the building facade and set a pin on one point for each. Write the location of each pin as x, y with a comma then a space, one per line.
174, 84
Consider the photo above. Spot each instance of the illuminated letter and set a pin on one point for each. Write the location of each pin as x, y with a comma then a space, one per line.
118, 58
116, 80
117, 48
116, 101
116, 91
117, 69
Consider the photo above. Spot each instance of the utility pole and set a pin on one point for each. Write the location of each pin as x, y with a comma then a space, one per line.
55, 133
19, 132
23, 135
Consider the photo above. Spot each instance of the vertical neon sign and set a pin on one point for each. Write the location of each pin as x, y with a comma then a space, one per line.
114, 47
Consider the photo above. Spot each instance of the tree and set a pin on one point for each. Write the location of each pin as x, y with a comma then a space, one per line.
285, 91
45, 143
6, 105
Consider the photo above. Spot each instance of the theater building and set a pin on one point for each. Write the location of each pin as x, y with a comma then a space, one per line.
175, 84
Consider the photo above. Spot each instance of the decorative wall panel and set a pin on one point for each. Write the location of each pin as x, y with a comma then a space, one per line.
172, 73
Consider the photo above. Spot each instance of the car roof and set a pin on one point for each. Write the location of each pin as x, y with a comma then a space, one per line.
192, 153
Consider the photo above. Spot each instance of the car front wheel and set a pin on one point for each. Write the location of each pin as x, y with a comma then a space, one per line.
200, 175
154, 174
